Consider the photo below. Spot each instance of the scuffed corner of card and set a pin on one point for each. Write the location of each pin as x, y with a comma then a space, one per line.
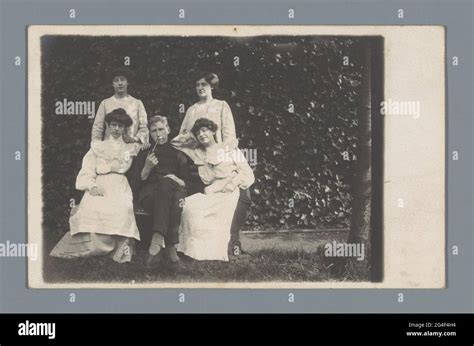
34, 32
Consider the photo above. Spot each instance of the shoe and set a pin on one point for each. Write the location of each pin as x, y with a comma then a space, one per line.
171, 254
153, 256
152, 260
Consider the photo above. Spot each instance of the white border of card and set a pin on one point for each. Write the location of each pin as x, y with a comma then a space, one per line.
414, 150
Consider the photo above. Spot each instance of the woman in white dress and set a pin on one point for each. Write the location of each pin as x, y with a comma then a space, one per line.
207, 217
138, 130
219, 112
210, 108
104, 222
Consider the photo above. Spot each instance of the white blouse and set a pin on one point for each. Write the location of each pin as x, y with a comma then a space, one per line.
219, 112
219, 166
134, 108
109, 156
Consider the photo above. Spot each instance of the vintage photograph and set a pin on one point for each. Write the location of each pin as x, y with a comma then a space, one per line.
223, 157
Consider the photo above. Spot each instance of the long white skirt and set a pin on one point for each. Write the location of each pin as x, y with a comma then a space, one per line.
109, 214
102, 225
205, 225
120, 249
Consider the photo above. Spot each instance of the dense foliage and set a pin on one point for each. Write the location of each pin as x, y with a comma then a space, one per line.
294, 99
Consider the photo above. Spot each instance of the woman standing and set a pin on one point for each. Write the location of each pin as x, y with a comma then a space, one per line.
206, 220
138, 130
210, 108
104, 222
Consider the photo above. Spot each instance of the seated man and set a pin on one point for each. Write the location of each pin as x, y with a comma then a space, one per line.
163, 172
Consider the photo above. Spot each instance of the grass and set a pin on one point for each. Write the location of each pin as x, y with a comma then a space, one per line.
285, 257
260, 266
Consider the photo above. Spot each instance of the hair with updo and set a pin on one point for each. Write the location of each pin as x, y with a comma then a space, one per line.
120, 71
211, 78
120, 116
203, 122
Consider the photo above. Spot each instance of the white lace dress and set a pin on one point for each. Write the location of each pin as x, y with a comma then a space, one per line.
103, 224
206, 219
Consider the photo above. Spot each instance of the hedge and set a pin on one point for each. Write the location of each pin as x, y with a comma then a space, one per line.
305, 155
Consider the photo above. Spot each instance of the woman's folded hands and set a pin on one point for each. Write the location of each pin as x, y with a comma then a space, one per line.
96, 191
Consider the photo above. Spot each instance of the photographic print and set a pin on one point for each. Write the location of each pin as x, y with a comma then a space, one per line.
236, 156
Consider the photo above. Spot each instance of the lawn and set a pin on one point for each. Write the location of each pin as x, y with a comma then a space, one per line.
278, 263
